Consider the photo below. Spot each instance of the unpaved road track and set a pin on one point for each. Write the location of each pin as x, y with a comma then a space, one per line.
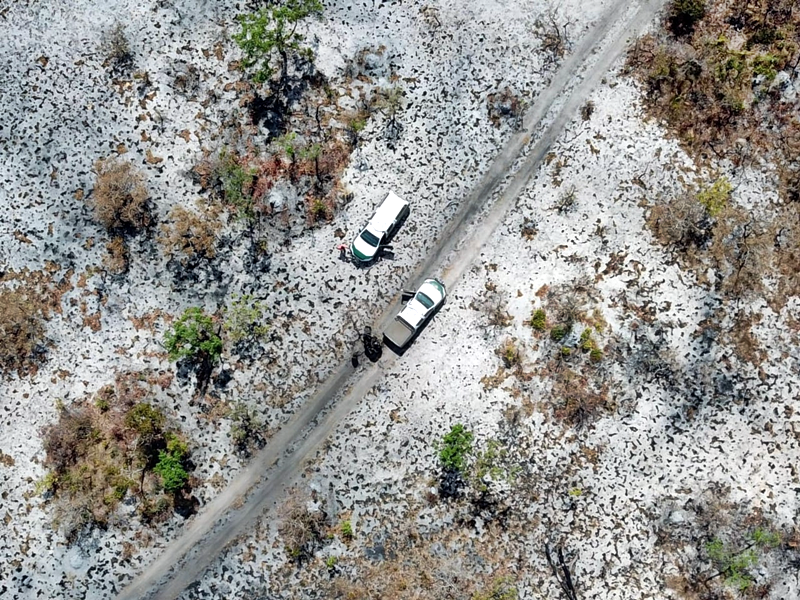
262, 483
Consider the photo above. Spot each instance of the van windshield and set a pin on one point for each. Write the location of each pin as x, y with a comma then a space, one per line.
369, 238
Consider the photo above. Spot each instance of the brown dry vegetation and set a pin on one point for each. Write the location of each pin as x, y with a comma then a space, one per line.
120, 196
719, 86
104, 448
190, 234
414, 570
715, 85
21, 329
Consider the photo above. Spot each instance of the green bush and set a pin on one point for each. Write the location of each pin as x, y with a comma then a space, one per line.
171, 470
559, 332
539, 320
716, 197
246, 319
455, 447
237, 184
146, 420
193, 337
347, 530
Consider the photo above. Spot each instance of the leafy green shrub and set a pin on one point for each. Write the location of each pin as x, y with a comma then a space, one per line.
246, 319
716, 197
346, 530
331, 561
539, 320
586, 342
455, 447
271, 34
170, 467
595, 355
559, 332
732, 565
193, 337
766, 538
766, 65
237, 184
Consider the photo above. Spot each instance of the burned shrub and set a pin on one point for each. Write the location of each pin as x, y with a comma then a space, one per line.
681, 222
684, 15
120, 196
300, 528
116, 49
503, 106
21, 329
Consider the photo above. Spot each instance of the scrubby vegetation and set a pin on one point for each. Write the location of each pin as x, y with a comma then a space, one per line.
191, 235
724, 88
116, 49
300, 528
106, 448
21, 329
119, 198
721, 547
247, 430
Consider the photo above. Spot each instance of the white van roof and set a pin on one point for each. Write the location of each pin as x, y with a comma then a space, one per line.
387, 212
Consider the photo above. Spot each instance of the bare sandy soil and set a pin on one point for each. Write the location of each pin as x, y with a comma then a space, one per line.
689, 424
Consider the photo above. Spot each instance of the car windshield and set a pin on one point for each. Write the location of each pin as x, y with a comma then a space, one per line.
369, 238
424, 300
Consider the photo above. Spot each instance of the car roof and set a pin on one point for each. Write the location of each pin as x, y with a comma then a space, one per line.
386, 213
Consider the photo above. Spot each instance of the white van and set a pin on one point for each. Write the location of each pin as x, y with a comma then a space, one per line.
381, 228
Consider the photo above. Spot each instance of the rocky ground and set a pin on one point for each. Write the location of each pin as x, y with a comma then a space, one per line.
694, 442
64, 107
691, 441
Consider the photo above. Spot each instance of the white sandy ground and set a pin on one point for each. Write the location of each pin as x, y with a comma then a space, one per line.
61, 111
714, 423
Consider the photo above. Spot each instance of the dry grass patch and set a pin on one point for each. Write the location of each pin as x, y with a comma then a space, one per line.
191, 235
119, 198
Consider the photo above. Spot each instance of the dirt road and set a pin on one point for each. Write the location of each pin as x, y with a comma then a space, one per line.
261, 485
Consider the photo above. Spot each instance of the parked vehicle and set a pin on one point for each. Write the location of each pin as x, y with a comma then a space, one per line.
381, 228
415, 314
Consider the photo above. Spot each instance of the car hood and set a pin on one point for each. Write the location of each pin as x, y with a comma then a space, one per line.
362, 250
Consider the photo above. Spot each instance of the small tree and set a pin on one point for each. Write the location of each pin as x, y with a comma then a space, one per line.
246, 319
170, 468
193, 338
120, 196
272, 33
